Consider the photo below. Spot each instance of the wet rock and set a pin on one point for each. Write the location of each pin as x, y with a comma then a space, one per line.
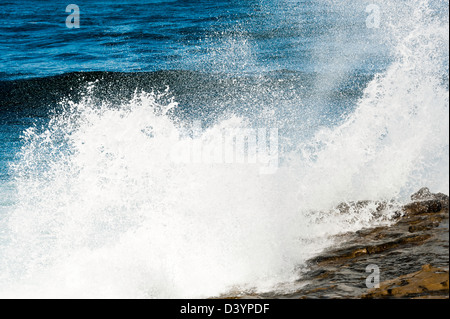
418, 237
423, 193
423, 207
428, 282
353, 252
423, 227
339, 256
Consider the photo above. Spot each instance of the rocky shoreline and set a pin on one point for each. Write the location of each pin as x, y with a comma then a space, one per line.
412, 257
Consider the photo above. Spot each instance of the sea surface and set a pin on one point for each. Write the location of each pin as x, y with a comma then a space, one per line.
187, 149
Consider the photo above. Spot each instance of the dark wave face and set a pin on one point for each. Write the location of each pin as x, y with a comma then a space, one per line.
199, 94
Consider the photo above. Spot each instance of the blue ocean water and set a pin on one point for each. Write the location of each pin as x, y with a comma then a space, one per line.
357, 91
212, 36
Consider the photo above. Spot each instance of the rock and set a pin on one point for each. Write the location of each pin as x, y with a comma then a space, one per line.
425, 194
419, 228
422, 194
357, 251
423, 207
428, 282
419, 236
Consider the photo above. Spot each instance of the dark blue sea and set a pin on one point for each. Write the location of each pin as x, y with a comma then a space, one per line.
179, 149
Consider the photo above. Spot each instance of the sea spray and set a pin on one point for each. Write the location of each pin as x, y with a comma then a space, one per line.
108, 213
397, 138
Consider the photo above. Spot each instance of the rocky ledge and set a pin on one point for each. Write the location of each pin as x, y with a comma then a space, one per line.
411, 257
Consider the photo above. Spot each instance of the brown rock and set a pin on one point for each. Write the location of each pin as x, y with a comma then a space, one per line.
419, 235
423, 207
428, 282
422, 194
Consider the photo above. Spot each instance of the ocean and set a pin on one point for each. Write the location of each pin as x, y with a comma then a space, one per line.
192, 149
